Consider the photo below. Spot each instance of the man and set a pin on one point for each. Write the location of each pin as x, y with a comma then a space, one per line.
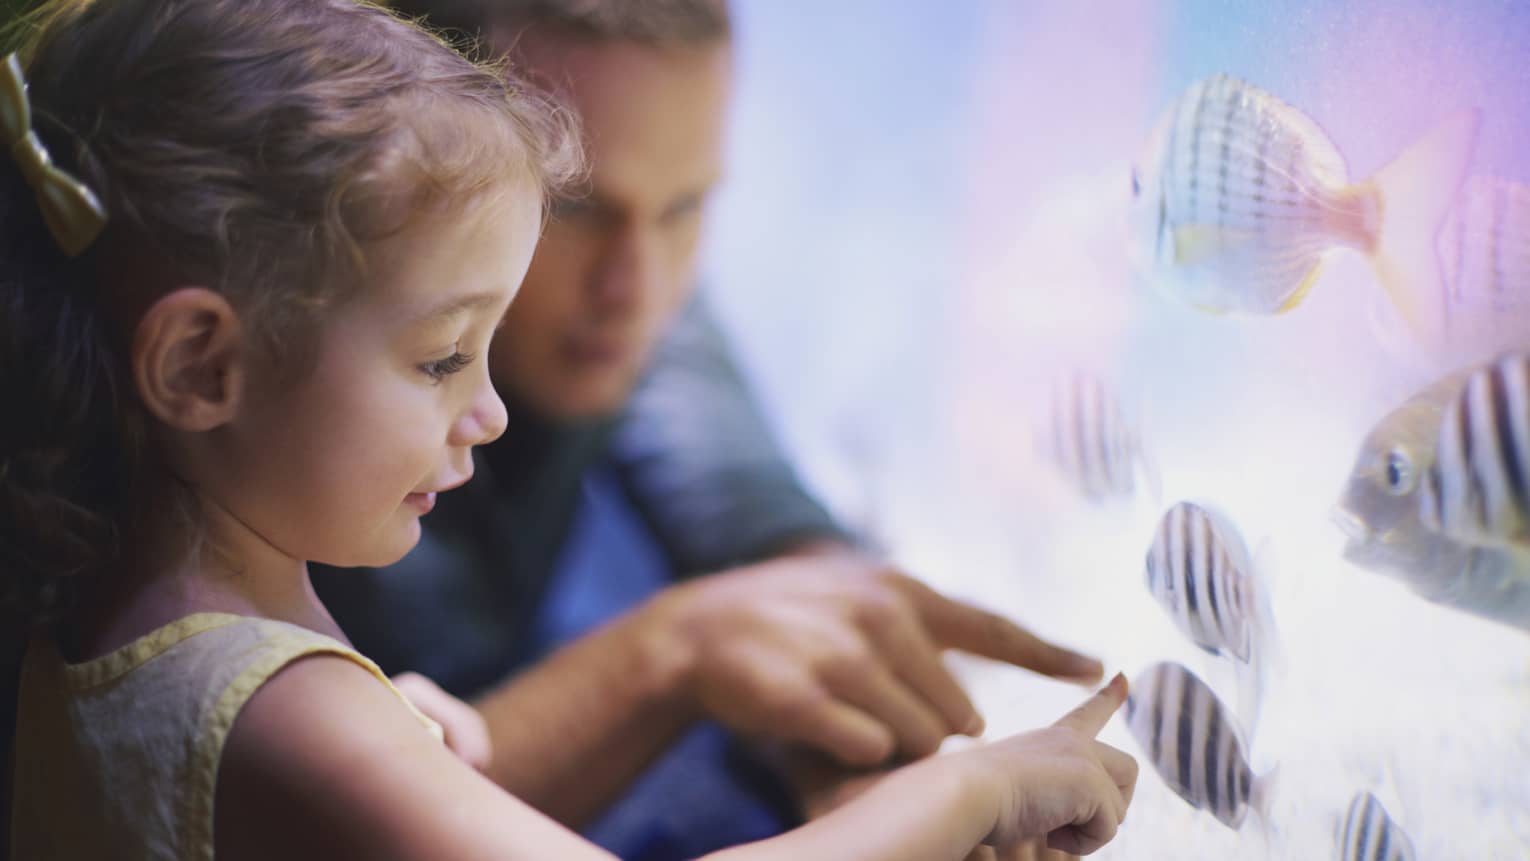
629, 466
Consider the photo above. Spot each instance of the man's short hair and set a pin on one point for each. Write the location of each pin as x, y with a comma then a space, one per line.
653, 22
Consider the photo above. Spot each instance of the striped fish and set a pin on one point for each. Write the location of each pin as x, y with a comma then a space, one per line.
1380, 513
1239, 195
1478, 487
1485, 253
1369, 834
1090, 440
1190, 739
1198, 568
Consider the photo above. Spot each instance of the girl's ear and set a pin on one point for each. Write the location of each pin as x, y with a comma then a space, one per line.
188, 360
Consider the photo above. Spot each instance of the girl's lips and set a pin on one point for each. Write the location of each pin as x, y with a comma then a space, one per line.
424, 502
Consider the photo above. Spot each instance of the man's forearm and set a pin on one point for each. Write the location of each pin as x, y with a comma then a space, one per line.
572, 732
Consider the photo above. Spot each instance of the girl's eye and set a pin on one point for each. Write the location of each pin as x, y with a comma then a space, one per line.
441, 369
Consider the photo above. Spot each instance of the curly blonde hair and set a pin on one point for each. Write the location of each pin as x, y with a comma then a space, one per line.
255, 146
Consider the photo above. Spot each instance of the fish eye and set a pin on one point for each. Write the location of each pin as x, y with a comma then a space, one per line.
1398, 474
1136, 184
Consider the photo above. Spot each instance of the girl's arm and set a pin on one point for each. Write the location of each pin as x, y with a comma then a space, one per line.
324, 762
1059, 782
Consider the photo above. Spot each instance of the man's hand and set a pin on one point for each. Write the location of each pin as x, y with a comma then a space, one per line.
842, 654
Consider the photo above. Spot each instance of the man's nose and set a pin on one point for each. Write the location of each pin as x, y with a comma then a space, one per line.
627, 272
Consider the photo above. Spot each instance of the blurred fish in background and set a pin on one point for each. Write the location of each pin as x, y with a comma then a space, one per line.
1483, 303
1380, 514
1485, 253
1093, 442
1193, 743
1367, 833
1239, 196
1478, 487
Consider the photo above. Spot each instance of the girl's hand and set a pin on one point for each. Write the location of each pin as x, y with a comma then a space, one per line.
467, 735
1059, 781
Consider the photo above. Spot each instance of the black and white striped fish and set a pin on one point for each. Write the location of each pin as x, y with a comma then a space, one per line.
1380, 513
1478, 489
1190, 739
1485, 251
1239, 196
1091, 441
1369, 834
1199, 569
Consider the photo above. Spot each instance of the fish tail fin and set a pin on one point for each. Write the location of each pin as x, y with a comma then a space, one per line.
1268, 649
1250, 696
1415, 193
1261, 805
1264, 658
1254, 677
1261, 800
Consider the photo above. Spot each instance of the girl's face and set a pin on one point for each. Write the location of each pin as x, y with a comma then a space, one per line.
339, 465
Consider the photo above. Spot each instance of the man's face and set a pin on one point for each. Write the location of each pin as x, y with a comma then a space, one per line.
615, 266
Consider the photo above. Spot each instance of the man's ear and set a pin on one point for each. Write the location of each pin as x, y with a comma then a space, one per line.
188, 360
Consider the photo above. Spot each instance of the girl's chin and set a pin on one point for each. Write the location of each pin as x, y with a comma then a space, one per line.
393, 542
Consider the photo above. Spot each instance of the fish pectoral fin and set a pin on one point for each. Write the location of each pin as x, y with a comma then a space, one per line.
1302, 289
1197, 243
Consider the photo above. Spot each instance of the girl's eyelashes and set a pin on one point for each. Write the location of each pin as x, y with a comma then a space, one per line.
440, 369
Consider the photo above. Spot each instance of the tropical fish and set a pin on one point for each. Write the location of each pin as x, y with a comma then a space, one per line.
1380, 514
1485, 254
1239, 196
1091, 441
1484, 303
1193, 744
1478, 488
1199, 570
1369, 834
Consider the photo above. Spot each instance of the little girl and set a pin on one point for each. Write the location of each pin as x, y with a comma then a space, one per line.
252, 253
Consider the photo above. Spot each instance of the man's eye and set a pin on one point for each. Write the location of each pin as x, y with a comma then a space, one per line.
443, 368
567, 208
682, 210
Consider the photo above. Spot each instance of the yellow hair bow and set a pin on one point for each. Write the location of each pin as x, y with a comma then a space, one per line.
74, 215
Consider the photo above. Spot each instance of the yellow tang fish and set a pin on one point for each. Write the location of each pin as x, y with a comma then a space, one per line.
1239, 195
